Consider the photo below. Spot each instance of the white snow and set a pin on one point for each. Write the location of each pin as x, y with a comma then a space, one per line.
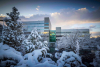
29, 59
32, 59
45, 64
9, 52
68, 58
58, 55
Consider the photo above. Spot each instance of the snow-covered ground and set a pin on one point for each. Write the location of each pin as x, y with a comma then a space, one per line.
10, 57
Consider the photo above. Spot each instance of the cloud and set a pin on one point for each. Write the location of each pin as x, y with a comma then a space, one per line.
92, 26
54, 14
30, 15
82, 9
38, 7
34, 17
95, 34
68, 17
80, 15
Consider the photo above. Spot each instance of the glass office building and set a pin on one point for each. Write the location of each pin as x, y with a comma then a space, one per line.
61, 32
43, 27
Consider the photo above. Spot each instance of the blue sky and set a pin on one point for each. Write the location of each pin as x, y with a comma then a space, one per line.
46, 6
84, 14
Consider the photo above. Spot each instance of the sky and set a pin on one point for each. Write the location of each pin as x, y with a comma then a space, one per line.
67, 14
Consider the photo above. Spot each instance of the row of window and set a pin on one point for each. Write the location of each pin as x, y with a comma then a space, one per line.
71, 32
34, 23
36, 26
37, 29
63, 32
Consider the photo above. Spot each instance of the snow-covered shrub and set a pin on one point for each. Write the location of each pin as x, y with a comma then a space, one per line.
58, 55
86, 43
69, 59
93, 47
35, 58
48, 63
13, 32
89, 43
9, 56
34, 41
96, 60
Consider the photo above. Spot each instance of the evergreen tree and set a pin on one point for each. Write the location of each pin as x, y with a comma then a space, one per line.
34, 41
13, 32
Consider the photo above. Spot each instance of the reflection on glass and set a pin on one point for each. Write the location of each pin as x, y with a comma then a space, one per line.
52, 36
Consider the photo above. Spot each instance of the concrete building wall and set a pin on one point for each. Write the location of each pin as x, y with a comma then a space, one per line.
47, 20
58, 30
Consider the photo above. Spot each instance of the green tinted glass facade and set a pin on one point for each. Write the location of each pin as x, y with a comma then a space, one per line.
52, 36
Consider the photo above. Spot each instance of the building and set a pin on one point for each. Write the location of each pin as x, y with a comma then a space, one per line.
55, 35
61, 32
43, 26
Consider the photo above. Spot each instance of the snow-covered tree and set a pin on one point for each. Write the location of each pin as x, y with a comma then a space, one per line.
68, 59
34, 47
45, 37
85, 42
13, 32
34, 41
69, 42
